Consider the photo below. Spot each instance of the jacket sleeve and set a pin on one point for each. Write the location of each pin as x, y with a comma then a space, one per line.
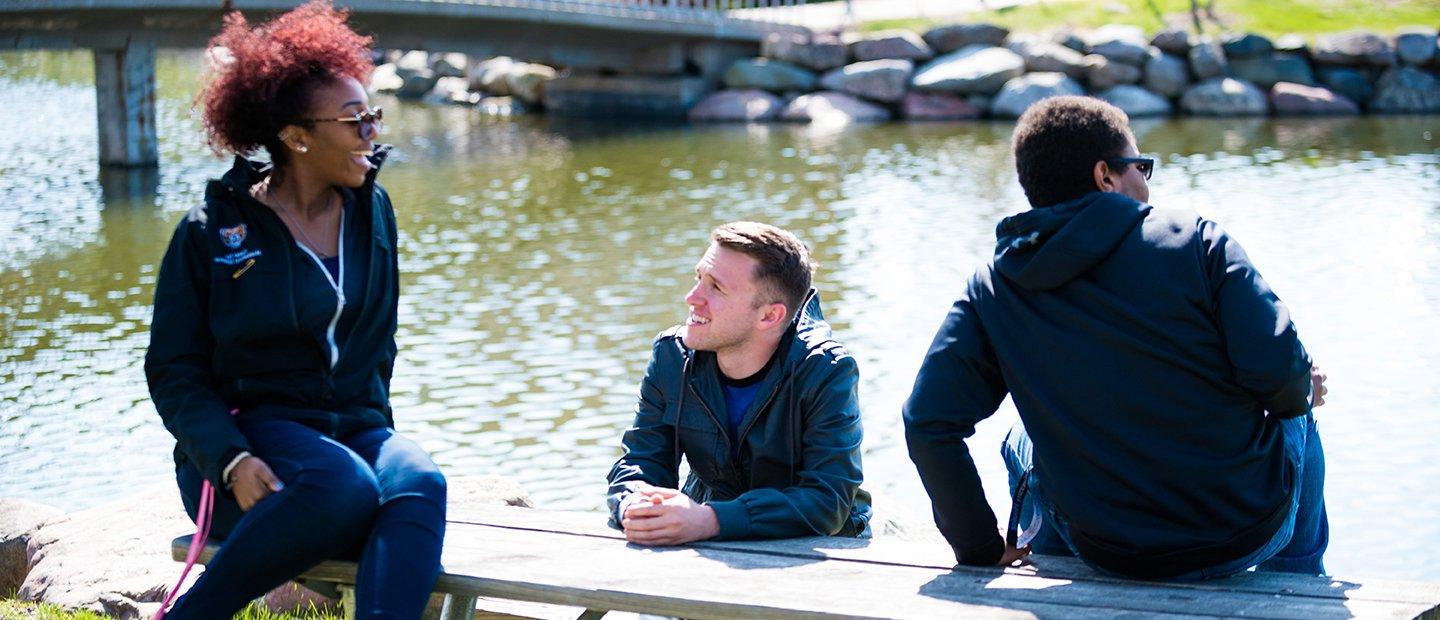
1263, 347
178, 362
649, 444
959, 384
828, 473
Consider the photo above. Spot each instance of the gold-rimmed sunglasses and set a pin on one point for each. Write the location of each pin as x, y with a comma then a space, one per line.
369, 122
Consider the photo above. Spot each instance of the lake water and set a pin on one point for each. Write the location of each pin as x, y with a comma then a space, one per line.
540, 256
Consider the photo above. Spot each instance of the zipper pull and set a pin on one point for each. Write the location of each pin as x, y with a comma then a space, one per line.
241, 271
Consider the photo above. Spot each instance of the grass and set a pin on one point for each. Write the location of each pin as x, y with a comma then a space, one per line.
1268, 17
16, 610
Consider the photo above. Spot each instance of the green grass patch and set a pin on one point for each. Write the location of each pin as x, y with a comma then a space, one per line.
17, 610
1267, 17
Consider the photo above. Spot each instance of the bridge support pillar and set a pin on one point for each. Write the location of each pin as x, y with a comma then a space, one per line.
125, 104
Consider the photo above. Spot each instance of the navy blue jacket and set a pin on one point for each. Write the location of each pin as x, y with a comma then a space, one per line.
1149, 362
795, 468
246, 320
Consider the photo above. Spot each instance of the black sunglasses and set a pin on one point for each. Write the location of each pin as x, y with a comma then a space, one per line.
1145, 165
368, 122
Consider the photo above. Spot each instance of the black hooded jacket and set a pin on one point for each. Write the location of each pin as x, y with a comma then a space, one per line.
246, 320
1149, 362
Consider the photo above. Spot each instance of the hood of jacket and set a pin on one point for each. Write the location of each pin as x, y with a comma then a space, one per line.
1044, 248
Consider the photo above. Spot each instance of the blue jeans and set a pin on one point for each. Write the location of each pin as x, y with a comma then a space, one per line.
374, 494
1298, 547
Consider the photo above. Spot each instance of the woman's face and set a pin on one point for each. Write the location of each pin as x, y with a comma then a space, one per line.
335, 152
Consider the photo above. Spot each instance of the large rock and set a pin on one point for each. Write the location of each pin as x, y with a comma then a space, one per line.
418, 85
773, 75
1172, 41
526, 81
19, 520
832, 108
817, 54
888, 44
1224, 97
1267, 71
946, 39
1103, 73
1069, 39
384, 79
412, 62
1136, 101
452, 90
938, 107
1351, 83
1166, 74
1120, 43
884, 80
977, 70
1355, 48
1416, 46
1406, 90
1042, 55
738, 106
1289, 99
1022, 92
488, 76
449, 64
1249, 45
1207, 59
1293, 44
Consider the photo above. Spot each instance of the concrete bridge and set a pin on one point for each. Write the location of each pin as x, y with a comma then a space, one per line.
623, 55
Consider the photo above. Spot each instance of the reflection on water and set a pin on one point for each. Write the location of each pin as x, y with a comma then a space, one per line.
540, 256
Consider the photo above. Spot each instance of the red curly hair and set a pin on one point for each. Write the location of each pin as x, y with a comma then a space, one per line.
262, 78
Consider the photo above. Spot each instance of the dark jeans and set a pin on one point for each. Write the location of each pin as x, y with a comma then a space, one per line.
1299, 546
374, 494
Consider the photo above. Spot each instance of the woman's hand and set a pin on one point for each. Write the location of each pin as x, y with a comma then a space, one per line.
252, 481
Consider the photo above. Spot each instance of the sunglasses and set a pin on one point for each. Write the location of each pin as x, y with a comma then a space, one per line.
1145, 165
368, 122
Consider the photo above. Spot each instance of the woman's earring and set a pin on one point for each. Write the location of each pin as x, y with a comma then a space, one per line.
302, 149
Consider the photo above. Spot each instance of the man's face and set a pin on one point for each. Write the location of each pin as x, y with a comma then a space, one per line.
1127, 179
725, 311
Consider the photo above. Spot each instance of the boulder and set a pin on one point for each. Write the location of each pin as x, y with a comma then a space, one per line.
19, 519
888, 44
816, 54
1248, 45
737, 106
1022, 92
1224, 97
1207, 59
938, 107
526, 81
505, 106
1165, 74
452, 90
412, 62
1350, 83
1416, 46
1103, 73
1355, 48
1069, 39
978, 69
417, 85
449, 65
1136, 101
776, 76
1290, 99
884, 80
1172, 41
1047, 56
1123, 44
384, 79
832, 108
488, 76
946, 39
1266, 71
1406, 90
1292, 44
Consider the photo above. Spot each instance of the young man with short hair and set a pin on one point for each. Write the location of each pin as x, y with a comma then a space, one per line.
758, 397
1164, 395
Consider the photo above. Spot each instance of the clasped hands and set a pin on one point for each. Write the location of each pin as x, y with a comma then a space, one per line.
657, 516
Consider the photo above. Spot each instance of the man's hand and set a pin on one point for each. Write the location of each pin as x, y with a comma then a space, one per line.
668, 517
1317, 381
252, 481
1013, 555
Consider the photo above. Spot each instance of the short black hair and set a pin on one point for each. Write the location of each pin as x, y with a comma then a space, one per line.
1057, 142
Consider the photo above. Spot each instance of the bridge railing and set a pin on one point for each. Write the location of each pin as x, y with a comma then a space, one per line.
775, 11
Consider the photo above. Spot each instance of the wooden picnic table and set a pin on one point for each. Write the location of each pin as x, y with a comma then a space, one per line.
572, 559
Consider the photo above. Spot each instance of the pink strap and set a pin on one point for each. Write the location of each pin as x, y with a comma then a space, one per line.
203, 517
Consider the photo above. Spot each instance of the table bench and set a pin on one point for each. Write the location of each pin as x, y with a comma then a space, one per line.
572, 559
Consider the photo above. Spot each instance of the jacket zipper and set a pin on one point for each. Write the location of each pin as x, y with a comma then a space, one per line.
338, 285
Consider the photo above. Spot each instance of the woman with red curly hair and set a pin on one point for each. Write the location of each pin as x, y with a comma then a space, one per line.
273, 338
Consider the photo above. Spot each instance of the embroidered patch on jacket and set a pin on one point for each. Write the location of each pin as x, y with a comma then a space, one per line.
233, 236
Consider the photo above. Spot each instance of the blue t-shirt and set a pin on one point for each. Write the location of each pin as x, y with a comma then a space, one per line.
739, 394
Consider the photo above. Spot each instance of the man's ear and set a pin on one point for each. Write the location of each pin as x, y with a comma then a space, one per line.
775, 312
1103, 182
